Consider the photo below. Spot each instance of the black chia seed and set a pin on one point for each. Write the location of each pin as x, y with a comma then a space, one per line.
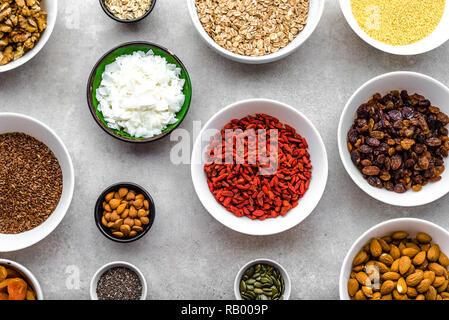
119, 283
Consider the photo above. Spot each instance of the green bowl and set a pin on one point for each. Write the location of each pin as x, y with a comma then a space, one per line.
109, 57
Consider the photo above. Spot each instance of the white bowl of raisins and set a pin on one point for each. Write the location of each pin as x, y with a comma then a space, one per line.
393, 138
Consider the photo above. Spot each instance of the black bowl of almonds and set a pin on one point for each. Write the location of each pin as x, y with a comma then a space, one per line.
127, 11
124, 212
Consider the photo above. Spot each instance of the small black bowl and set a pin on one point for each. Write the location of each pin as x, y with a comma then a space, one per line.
111, 15
98, 213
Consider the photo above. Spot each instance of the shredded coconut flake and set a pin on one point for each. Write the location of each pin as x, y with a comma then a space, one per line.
140, 94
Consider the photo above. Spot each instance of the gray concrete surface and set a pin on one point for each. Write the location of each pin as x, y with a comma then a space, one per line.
187, 254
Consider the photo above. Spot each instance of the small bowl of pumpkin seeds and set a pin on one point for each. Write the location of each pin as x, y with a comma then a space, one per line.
124, 212
262, 279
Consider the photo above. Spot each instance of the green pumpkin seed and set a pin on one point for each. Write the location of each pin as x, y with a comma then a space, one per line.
242, 286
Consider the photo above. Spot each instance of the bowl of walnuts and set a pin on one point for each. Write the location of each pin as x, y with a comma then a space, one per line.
25, 27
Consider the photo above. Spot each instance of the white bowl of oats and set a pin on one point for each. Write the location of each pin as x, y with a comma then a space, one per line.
250, 32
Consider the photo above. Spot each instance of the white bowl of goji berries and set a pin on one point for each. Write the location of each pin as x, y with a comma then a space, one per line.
272, 191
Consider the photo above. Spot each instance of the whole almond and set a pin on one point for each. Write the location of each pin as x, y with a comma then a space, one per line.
419, 258
387, 297
439, 281
387, 287
129, 222
121, 208
399, 235
445, 295
114, 203
368, 292
395, 252
434, 253
410, 252
437, 268
138, 203
401, 286
431, 294
362, 278
423, 237
132, 212
360, 258
130, 196
109, 196
353, 287
429, 275
395, 266
145, 220
423, 286
399, 296
125, 229
411, 292
375, 248
358, 268
443, 287
359, 295
443, 260
122, 192
385, 246
404, 264
414, 279
118, 234
382, 267
390, 276
386, 258
420, 297
376, 296
413, 245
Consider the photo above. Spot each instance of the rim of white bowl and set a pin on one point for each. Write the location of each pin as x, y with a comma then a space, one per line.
344, 277
277, 265
196, 152
28, 274
70, 191
40, 44
405, 50
342, 147
110, 265
282, 53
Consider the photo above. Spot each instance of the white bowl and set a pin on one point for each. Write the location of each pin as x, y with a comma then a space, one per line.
438, 37
13, 122
410, 225
287, 115
315, 12
435, 91
287, 282
106, 267
31, 279
51, 6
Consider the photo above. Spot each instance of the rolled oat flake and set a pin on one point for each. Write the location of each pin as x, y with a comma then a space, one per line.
119, 283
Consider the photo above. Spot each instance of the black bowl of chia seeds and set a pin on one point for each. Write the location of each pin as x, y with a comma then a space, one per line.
118, 280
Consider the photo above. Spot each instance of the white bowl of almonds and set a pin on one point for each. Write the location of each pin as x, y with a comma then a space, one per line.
33, 34
399, 259
255, 32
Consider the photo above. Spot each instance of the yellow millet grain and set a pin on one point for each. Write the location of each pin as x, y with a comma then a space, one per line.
398, 22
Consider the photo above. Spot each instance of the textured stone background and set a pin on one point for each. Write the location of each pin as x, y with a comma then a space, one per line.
187, 254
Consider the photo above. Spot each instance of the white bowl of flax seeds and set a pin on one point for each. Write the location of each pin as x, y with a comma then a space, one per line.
37, 181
